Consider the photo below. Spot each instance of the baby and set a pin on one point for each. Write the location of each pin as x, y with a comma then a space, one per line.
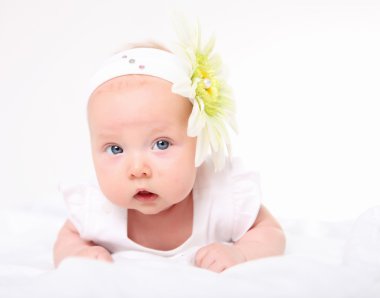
166, 184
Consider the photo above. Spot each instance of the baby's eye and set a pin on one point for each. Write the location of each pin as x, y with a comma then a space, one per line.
114, 149
161, 145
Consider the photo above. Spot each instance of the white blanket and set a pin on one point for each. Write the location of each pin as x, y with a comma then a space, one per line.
323, 259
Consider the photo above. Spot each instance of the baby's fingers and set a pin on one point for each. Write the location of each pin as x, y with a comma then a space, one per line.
200, 257
104, 256
95, 252
207, 260
217, 257
217, 266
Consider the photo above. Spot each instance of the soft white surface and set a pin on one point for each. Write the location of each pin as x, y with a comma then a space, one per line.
306, 78
323, 259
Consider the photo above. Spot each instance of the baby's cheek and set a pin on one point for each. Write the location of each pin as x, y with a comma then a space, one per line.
109, 188
117, 195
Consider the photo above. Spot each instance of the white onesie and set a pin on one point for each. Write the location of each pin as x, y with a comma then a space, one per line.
226, 205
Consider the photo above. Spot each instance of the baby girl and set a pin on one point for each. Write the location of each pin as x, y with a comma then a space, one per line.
159, 123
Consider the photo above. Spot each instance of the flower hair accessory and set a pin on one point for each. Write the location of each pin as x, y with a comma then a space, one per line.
196, 74
213, 106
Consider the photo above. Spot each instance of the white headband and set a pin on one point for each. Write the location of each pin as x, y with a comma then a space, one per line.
143, 61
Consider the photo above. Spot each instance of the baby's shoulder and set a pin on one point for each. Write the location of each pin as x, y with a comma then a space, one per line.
233, 197
81, 193
236, 171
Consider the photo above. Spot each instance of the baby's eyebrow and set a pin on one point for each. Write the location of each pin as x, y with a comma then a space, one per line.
105, 134
162, 128
110, 133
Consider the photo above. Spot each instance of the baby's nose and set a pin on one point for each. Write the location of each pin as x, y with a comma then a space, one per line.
139, 169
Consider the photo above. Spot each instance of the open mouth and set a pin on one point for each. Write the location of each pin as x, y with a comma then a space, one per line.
145, 196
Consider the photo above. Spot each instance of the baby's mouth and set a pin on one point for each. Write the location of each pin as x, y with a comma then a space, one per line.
145, 196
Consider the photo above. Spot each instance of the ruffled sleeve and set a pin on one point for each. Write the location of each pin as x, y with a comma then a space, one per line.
246, 194
235, 200
76, 198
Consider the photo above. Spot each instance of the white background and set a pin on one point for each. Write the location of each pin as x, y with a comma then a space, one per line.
305, 74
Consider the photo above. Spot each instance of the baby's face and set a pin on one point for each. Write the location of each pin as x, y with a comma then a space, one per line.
142, 155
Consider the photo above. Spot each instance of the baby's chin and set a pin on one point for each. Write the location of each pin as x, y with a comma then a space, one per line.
151, 210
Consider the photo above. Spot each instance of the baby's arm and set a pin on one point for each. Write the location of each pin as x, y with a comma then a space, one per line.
265, 238
69, 243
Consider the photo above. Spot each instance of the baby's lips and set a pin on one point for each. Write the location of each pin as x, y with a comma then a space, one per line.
142, 191
145, 195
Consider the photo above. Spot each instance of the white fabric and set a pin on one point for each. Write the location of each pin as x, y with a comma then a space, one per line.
143, 61
226, 204
323, 259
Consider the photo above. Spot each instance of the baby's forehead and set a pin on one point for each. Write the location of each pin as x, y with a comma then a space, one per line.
126, 82
138, 98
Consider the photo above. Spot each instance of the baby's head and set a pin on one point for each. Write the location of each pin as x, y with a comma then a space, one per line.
138, 128
154, 117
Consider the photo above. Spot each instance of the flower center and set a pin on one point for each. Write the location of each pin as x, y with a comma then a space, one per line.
208, 87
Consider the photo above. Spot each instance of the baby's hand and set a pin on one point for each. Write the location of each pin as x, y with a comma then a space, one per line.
94, 252
218, 257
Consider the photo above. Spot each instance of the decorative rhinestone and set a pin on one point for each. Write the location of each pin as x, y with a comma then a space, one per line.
207, 83
141, 66
132, 60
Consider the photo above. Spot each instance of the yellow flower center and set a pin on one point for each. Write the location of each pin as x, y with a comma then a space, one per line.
208, 86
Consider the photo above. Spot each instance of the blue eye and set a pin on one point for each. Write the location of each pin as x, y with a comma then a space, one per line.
161, 145
114, 149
